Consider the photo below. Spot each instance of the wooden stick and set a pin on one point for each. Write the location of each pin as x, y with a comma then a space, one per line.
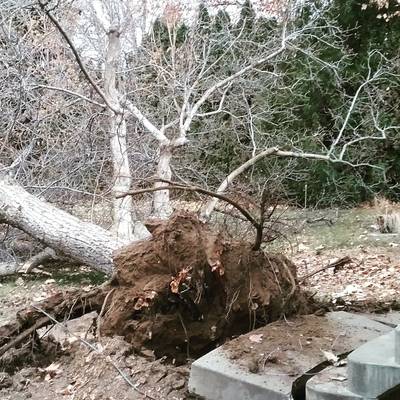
177, 186
339, 263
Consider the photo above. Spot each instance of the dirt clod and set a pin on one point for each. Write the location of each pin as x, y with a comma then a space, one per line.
189, 288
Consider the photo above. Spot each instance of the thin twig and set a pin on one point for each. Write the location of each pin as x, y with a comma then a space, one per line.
177, 186
24, 334
186, 335
339, 263
82, 67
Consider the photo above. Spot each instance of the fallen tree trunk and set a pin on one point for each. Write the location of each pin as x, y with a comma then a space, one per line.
84, 242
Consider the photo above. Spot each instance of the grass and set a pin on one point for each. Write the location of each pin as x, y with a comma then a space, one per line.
349, 228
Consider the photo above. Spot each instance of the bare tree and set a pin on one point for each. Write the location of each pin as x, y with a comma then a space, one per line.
170, 94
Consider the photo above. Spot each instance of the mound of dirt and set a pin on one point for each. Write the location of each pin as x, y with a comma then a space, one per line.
188, 288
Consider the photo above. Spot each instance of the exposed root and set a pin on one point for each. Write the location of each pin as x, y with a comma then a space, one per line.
188, 288
16, 337
103, 307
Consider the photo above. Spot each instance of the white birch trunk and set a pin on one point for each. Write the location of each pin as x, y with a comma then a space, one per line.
86, 243
125, 224
161, 204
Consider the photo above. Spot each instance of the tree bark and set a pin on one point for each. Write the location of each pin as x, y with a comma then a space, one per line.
84, 242
161, 204
125, 224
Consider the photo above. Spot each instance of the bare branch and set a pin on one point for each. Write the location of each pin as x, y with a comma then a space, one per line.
369, 79
177, 186
71, 93
231, 78
78, 58
221, 104
157, 133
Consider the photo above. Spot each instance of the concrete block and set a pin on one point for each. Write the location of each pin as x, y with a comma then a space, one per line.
215, 377
392, 318
220, 375
397, 344
372, 369
330, 384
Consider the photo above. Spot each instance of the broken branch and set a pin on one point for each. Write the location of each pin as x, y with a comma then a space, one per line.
337, 264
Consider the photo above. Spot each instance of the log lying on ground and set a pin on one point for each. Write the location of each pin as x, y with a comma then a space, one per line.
46, 256
84, 242
188, 288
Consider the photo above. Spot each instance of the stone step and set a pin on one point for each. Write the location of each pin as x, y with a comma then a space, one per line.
372, 368
295, 346
216, 377
330, 384
397, 344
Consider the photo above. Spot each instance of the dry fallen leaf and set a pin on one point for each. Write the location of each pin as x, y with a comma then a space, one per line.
67, 391
183, 275
256, 338
51, 371
332, 358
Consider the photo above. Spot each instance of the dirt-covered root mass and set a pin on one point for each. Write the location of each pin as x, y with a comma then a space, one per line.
188, 288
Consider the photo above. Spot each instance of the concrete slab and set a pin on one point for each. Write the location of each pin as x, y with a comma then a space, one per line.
397, 344
215, 377
330, 384
391, 318
372, 369
265, 363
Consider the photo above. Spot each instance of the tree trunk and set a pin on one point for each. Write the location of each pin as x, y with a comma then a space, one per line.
125, 224
161, 205
84, 242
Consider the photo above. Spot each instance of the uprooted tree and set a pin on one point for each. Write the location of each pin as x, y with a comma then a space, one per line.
168, 91
189, 78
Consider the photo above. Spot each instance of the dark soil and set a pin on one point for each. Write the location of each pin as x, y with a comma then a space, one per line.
276, 343
188, 288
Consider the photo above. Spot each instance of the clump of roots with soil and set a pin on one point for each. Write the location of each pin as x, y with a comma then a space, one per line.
189, 288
